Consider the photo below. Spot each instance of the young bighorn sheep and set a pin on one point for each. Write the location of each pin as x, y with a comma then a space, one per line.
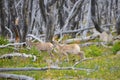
43, 46
66, 49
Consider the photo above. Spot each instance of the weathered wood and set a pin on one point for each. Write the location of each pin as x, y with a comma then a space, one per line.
35, 37
81, 39
14, 76
12, 44
17, 55
118, 25
73, 31
94, 17
43, 69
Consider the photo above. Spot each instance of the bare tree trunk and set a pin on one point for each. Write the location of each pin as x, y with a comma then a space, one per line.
50, 30
60, 15
2, 17
116, 8
111, 5
13, 17
25, 25
118, 25
30, 15
95, 22
48, 20
42, 9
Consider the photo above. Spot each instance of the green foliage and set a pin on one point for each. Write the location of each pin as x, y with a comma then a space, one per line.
32, 50
92, 51
3, 41
107, 69
6, 50
107, 66
116, 47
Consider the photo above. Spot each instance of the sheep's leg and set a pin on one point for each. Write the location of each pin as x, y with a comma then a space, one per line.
81, 54
50, 53
66, 56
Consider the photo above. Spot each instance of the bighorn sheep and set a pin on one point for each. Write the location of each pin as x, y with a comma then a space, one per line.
43, 46
69, 49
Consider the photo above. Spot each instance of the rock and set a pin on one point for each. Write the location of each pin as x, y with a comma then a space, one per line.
104, 36
118, 53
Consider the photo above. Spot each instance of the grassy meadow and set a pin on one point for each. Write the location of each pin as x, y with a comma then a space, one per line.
105, 64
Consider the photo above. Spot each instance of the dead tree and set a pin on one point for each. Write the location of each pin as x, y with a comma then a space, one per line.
118, 25
94, 19
48, 19
25, 18
2, 18
13, 21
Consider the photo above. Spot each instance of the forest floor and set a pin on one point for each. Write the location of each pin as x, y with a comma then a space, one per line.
105, 64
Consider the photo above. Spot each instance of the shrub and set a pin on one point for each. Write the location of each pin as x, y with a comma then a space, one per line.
116, 47
3, 41
93, 50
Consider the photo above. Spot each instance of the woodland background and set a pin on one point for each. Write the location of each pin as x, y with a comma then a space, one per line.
47, 18
67, 21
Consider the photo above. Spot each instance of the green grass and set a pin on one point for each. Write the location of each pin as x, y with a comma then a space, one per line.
3, 40
107, 63
116, 47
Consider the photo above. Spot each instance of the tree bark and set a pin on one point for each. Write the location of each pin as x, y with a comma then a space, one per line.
95, 22
14, 76
2, 18
50, 30
48, 19
118, 25
25, 25
12, 20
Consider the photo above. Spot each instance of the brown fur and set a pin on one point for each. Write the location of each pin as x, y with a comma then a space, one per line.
70, 49
44, 46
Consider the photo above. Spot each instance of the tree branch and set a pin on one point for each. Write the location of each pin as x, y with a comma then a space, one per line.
31, 35
82, 61
11, 34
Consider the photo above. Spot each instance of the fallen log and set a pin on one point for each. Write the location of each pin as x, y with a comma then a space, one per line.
18, 55
92, 43
45, 68
81, 39
12, 44
14, 76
